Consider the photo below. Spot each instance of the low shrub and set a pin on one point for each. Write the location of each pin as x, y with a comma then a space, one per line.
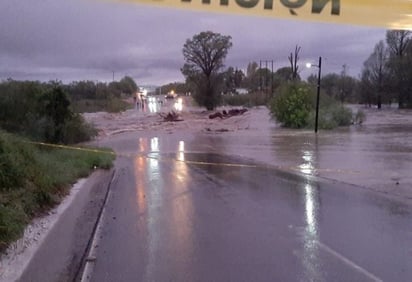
331, 117
294, 105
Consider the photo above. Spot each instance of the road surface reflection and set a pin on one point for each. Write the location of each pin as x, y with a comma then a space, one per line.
166, 217
311, 237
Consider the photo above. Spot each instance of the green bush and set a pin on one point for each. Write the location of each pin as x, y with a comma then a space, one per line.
331, 117
342, 115
292, 104
77, 130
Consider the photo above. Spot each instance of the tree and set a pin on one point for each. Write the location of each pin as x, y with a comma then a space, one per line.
177, 87
375, 72
284, 74
399, 42
330, 84
293, 59
57, 111
204, 55
346, 85
251, 69
82, 90
229, 80
239, 78
128, 85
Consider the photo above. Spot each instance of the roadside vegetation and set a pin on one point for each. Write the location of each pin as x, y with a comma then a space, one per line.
90, 96
246, 100
294, 106
41, 112
34, 179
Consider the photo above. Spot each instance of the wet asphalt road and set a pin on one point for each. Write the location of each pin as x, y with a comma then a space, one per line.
177, 212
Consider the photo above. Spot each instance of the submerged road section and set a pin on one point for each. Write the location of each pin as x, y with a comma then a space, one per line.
179, 213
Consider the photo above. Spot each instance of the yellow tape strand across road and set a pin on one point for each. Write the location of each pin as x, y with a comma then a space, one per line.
392, 14
165, 159
72, 148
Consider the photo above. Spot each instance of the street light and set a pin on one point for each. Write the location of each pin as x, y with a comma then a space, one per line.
319, 66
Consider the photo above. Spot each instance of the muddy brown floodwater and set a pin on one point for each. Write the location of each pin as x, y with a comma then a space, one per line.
375, 155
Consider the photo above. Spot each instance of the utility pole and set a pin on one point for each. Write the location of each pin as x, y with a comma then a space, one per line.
260, 75
318, 95
319, 66
271, 81
266, 63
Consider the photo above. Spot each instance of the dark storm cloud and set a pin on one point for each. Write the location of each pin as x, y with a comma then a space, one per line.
78, 39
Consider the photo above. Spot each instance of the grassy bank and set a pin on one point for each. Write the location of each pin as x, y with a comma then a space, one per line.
34, 179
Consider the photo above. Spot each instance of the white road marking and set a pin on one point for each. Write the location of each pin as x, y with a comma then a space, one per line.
348, 262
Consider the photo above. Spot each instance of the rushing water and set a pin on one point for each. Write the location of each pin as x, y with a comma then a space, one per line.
376, 154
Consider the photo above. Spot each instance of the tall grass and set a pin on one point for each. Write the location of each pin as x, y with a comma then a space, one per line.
34, 179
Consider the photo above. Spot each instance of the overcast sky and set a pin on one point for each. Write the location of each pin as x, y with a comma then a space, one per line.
88, 39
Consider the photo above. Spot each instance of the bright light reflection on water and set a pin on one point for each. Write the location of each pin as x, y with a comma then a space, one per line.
181, 152
142, 144
311, 235
309, 209
154, 144
308, 166
179, 105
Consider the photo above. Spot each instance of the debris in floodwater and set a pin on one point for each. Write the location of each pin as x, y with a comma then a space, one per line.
227, 114
217, 130
171, 116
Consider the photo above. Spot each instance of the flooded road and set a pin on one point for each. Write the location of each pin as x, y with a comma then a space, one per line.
196, 205
376, 155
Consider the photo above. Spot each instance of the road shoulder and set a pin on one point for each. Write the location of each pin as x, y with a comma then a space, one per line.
52, 246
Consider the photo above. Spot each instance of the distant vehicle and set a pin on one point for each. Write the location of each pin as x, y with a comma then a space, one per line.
171, 95
142, 95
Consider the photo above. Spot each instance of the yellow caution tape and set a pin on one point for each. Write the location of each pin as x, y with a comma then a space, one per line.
392, 14
72, 148
147, 155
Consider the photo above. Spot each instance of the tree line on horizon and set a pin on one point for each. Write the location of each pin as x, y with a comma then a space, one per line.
386, 76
